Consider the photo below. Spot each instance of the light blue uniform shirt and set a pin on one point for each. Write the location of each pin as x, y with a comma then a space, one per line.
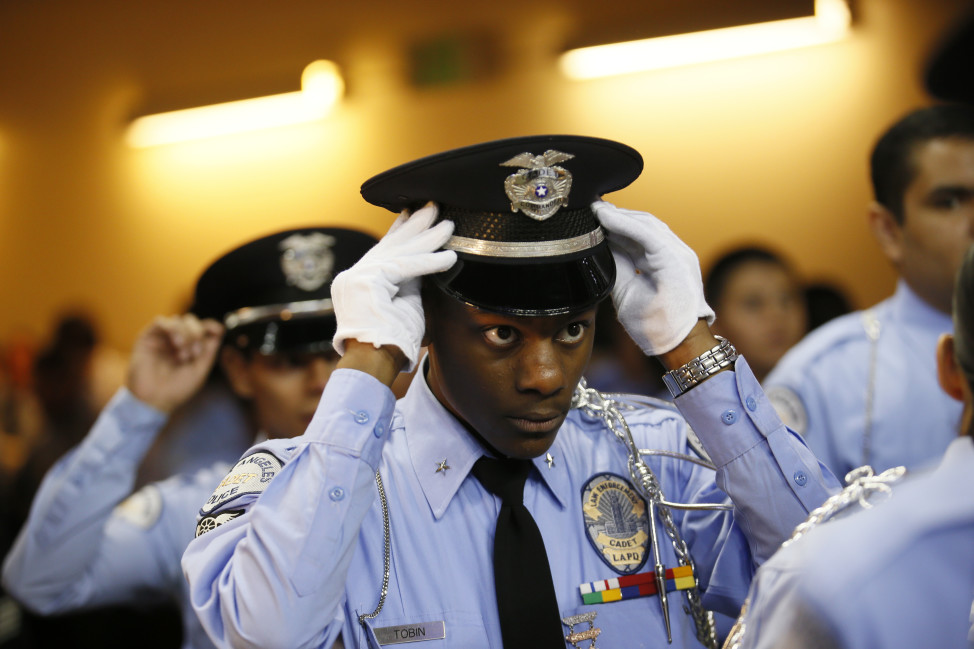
81, 549
820, 388
291, 549
898, 575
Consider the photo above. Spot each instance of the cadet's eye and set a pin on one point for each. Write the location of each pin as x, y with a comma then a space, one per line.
950, 198
573, 333
500, 336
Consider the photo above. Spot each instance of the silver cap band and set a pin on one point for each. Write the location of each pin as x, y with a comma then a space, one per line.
520, 249
250, 314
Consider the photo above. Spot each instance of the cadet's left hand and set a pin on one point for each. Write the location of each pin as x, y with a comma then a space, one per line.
378, 299
659, 290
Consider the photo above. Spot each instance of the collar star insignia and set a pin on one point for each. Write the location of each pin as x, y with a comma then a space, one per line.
549, 459
442, 467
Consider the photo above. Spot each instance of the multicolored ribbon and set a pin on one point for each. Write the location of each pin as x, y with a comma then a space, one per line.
632, 586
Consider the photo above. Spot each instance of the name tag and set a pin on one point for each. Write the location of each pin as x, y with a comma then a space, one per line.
410, 632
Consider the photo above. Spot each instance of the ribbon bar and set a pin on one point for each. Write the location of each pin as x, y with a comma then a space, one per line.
632, 586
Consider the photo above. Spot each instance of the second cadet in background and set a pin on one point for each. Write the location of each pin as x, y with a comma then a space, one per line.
264, 309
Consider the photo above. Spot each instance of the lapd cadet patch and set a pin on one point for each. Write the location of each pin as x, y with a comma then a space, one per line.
251, 475
214, 521
789, 407
616, 522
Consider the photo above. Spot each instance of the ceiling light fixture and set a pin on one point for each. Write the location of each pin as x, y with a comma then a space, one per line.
321, 88
830, 23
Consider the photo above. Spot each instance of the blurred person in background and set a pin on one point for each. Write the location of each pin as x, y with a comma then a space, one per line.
825, 301
862, 389
759, 304
68, 380
264, 310
617, 363
847, 584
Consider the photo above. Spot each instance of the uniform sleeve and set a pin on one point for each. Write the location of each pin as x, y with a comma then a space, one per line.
770, 475
77, 549
269, 571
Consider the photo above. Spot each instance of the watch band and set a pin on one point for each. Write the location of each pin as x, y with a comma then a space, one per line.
701, 368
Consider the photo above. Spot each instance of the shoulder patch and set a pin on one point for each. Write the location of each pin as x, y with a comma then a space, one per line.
616, 522
251, 475
214, 521
142, 508
789, 407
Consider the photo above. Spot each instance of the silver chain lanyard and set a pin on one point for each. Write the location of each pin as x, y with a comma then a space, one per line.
862, 484
608, 409
386, 552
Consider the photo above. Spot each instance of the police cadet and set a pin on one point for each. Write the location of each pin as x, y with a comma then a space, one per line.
500, 502
862, 387
85, 544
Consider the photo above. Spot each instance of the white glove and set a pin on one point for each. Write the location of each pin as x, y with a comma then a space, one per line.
658, 293
377, 300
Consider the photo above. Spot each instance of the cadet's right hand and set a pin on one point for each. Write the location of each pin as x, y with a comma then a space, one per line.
377, 300
171, 359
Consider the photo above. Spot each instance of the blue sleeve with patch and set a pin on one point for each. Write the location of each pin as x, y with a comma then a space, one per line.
79, 548
280, 549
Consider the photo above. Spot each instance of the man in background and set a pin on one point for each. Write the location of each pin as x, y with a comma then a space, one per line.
862, 389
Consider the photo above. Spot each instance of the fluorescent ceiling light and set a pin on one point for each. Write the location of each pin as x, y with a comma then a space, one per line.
829, 24
321, 87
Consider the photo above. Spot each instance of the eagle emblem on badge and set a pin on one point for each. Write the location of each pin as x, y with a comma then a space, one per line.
616, 522
540, 187
307, 260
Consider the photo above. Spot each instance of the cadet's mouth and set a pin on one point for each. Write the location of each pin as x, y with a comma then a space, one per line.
541, 424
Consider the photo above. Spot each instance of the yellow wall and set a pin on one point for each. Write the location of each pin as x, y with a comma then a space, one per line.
771, 148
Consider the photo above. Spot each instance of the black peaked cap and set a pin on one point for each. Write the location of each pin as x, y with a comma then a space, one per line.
550, 263
274, 293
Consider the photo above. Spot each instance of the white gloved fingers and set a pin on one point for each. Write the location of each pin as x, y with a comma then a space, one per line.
659, 290
378, 299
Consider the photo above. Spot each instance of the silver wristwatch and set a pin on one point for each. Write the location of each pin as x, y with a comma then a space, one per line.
700, 368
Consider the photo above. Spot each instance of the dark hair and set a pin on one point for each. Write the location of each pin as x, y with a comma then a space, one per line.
825, 302
721, 271
892, 166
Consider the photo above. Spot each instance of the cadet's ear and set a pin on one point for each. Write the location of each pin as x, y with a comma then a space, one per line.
236, 368
888, 232
949, 374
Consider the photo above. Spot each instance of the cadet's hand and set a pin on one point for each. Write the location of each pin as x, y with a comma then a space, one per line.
171, 359
659, 291
377, 300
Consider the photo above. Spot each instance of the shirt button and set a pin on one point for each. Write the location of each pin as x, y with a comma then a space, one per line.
728, 417
800, 478
362, 417
337, 494
751, 404
379, 429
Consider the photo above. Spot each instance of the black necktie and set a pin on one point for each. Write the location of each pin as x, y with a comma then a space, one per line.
526, 599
